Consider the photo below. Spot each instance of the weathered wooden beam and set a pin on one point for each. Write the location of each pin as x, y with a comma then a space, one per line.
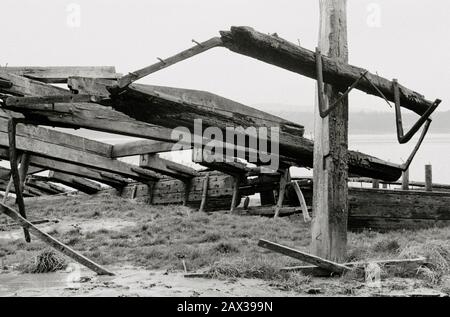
53, 242
302, 256
22, 86
140, 147
279, 52
75, 182
199, 48
43, 163
100, 118
66, 152
60, 74
166, 167
42, 184
428, 178
179, 107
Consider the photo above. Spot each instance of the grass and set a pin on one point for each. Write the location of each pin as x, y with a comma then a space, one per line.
161, 237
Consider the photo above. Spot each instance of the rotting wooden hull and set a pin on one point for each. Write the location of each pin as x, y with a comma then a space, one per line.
173, 107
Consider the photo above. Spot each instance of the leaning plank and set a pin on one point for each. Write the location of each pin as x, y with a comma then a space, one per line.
60, 74
199, 48
53, 242
302, 201
277, 51
322, 263
22, 86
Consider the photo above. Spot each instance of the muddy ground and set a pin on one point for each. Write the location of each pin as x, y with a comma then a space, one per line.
145, 246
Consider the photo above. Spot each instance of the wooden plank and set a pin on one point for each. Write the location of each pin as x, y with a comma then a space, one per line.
140, 147
279, 52
59, 138
302, 256
330, 200
69, 153
60, 74
53, 242
166, 167
405, 180
75, 182
22, 86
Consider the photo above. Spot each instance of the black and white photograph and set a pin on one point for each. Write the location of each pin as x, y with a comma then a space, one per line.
230, 156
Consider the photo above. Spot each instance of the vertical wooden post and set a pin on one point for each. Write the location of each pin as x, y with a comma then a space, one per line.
236, 182
428, 178
405, 180
204, 193
330, 200
385, 186
375, 184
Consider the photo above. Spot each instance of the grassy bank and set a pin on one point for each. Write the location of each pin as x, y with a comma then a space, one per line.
115, 231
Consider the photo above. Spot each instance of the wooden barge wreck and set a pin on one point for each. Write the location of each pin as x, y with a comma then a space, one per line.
98, 98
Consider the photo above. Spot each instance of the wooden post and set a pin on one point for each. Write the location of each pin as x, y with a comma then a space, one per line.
236, 182
428, 178
405, 180
375, 183
284, 180
330, 199
204, 193
385, 186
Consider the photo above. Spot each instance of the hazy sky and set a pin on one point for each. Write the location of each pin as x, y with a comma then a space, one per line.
406, 39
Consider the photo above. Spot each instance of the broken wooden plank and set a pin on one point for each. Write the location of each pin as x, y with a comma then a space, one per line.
322, 263
75, 182
279, 52
53, 242
60, 74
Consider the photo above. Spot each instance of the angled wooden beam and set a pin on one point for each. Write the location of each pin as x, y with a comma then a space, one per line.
204, 193
42, 184
302, 256
166, 167
53, 242
199, 48
140, 147
22, 86
285, 178
60, 74
75, 182
301, 199
279, 52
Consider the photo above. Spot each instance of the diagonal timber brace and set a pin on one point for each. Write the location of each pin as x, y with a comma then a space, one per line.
15, 172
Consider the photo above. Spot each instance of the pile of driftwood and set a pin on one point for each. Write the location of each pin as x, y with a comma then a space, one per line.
98, 98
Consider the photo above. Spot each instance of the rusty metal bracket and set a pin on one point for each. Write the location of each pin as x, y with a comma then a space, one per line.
408, 162
404, 138
12, 124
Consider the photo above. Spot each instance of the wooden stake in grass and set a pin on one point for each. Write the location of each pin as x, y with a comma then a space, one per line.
284, 180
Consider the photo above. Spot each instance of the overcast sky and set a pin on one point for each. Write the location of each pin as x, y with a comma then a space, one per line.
406, 39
